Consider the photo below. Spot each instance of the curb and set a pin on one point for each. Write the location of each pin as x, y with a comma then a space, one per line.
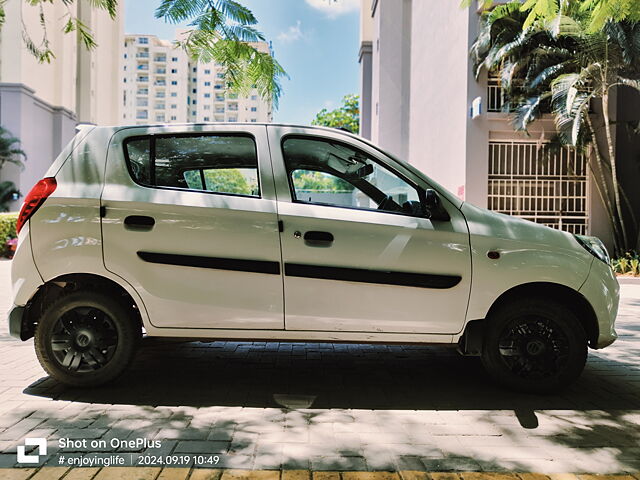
159, 473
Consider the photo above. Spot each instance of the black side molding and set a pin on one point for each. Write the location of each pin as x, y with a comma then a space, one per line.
405, 279
237, 265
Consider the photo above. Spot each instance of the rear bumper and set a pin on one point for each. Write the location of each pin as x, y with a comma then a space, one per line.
15, 317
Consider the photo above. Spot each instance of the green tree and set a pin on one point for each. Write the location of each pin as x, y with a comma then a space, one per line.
10, 152
229, 180
597, 12
219, 30
565, 66
319, 182
346, 116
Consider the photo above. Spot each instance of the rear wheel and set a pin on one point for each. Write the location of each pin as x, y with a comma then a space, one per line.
86, 338
534, 345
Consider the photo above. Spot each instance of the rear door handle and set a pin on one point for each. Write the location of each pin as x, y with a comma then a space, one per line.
318, 238
139, 222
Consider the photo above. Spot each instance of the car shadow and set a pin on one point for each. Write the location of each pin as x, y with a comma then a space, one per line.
319, 376
298, 390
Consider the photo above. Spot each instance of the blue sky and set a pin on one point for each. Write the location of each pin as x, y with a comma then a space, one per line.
316, 41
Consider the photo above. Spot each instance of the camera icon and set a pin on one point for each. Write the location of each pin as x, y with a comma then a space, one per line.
41, 443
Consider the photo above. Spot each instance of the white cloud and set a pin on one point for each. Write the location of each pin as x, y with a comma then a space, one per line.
334, 8
292, 34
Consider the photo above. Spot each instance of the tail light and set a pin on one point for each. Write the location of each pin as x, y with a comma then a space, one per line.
36, 197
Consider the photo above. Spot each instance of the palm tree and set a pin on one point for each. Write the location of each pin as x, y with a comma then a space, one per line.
220, 30
10, 152
564, 66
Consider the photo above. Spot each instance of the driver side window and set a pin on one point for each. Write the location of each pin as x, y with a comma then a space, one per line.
326, 172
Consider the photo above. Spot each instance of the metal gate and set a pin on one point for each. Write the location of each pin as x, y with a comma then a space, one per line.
545, 188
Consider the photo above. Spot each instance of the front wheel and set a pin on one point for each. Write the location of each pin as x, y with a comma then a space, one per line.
86, 338
535, 346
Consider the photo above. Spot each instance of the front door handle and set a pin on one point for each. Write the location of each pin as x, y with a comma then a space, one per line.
139, 222
318, 238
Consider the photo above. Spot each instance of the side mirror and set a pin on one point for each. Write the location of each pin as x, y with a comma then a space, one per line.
433, 207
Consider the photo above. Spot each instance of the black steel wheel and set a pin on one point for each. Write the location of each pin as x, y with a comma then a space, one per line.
86, 338
535, 345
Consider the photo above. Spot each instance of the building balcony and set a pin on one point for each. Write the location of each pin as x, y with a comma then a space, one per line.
160, 59
160, 83
161, 71
143, 79
142, 55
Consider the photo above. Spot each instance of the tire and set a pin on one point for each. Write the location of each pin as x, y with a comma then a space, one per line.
86, 338
534, 345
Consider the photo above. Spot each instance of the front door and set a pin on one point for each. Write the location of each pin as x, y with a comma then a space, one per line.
356, 256
190, 222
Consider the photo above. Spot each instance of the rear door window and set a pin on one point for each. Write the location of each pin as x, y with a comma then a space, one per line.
222, 164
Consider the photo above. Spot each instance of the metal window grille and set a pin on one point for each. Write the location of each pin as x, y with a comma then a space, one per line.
495, 94
550, 189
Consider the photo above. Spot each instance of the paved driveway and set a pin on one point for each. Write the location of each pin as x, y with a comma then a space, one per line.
336, 407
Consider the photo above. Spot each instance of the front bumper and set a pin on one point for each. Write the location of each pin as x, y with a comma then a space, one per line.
15, 317
602, 291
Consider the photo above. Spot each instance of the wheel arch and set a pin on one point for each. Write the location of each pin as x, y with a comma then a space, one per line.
74, 281
471, 341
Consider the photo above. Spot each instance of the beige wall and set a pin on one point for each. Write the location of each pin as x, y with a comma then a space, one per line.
41, 103
81, 81
52, 82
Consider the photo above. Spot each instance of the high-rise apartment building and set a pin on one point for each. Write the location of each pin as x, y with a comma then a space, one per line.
41, 103
162, 85
421, 101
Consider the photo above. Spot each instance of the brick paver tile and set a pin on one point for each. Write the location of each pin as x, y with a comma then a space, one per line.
533, 476
205, 474
16, 473
414, 475
370, 476
326, 476
250, 475
173, 474
295, 475
82, 473
50, 473
563, 476
128, 473
444, 476
488, 476
605, 477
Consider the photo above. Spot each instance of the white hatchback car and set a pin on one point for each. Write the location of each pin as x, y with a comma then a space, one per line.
274, 232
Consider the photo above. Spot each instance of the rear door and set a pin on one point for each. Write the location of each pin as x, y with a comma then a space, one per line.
190, 222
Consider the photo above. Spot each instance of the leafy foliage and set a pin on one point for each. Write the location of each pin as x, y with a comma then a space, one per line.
224, 31
596, 12
319, 182
41, 48
220, 30
346, 116
7, 231
7, 192
229, 180
561, 65
627, 264
10, 151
